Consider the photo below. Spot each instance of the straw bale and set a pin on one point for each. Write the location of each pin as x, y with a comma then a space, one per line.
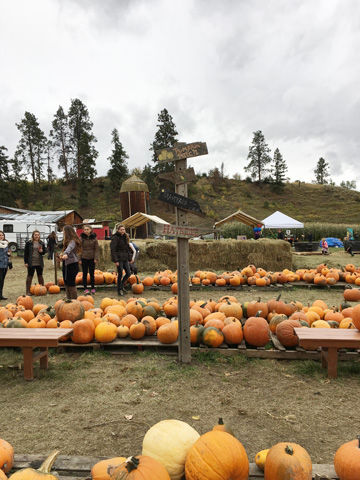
215, 255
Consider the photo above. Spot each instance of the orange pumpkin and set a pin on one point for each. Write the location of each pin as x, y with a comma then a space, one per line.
6, 456
40, 290
217, 455
352, 294
70, 310
256, 331
347, 460
286, 334
356, 316
233, 333
26, 301
105, 332
53, 289
168, 333
290, 458
100, 471
83, 331
138, 468
150, 325
137, 331
212, 337
128, 320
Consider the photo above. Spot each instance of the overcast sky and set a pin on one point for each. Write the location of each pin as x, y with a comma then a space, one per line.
223, 69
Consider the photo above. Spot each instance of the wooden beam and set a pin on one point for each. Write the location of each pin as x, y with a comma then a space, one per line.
178, 178
181, 152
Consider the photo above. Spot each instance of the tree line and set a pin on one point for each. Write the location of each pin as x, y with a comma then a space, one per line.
71, 145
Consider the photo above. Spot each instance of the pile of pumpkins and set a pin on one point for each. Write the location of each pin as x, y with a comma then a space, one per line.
48, 287
250, 275
173, 450
212, 323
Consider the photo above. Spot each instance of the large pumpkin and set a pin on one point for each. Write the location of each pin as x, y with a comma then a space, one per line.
347, 460
352, 294
256, 331
26, 301
168, 333
169, 442
83, 331
212, 337
233, 333
6, 456
286, 334
70, 310
217, 455
288, 461
100, 470
139, 468
105, 332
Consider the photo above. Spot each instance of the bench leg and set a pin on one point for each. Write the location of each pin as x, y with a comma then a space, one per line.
332, 362
324, 357
44, 358
28, 363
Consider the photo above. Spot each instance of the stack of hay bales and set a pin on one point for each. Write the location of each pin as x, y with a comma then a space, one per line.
218, 255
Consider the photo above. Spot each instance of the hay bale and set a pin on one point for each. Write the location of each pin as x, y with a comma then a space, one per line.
215, 255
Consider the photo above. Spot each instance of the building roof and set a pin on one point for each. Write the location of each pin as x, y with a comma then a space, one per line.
239, 216
41, 216
140, 218
134, 184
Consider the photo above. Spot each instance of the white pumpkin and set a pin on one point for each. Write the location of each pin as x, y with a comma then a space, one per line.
169, 442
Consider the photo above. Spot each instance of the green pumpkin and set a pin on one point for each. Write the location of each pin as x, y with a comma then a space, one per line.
50, 310
333, 324
212, 337
304, 323
200, 329
150, 311
14, 324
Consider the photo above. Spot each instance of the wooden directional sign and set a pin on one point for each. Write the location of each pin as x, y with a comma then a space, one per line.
181, 151
179, 201
179, 231
178, 178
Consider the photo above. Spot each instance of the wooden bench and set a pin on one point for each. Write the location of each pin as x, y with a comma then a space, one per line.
329, 340
29, 339
78, 468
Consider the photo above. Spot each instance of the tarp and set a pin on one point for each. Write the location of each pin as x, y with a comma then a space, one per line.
333, 242
280, 220
239, 216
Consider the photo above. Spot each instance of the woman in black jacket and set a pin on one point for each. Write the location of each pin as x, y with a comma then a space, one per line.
33, 259
119, 246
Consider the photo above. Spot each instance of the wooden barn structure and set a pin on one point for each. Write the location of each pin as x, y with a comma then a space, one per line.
60, 217
134, 197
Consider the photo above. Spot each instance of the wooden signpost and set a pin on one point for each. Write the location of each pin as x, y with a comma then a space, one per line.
180, 201
175, 177
179, 154
179, 231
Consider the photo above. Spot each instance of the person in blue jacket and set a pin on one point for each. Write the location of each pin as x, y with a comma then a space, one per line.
4, 262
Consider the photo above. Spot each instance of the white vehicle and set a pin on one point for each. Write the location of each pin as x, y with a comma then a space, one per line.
18, 232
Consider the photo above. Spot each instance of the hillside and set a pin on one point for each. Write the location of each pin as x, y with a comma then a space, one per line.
303, 201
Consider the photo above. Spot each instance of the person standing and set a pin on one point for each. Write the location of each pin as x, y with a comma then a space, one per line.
51, 244
119, 246
33, 259
324, 247
133, 266
89, 256
70, 258
5, 262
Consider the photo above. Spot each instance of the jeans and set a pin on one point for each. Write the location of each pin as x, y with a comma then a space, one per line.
123, 265
39, 270
3, 272
88, 266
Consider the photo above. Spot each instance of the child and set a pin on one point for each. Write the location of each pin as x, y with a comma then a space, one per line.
324, 247
89, 256
70, 258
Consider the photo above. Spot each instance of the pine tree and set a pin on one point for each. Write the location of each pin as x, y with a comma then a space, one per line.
119, 170
49, 171
259, 157
279, 168
4, 164
60, 135
164, 137
31, 146
83, 150
321, 171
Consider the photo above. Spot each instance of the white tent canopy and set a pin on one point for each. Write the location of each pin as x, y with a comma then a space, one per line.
280, 220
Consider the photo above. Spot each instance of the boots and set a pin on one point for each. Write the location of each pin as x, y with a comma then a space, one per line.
28, 285
73, 292
67, 292
41, 279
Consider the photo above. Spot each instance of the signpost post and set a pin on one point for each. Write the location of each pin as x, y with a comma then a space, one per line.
179, 154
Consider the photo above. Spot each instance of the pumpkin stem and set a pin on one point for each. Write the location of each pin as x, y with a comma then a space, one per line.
132, 463
278, 297
289, 450
358, 437
48, 463
258, 313
221, 421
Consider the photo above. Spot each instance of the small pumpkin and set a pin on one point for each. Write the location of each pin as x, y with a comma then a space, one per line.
260, 458
233, 333
123, 331
137, 331
105, 332
26, 301
290, 458
139, 468
6, 456
100, 471
223, 427
42, 473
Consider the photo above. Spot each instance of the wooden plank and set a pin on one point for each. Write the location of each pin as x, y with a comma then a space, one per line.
66, 465
181, 151
178, 178
181, 201
180, 231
